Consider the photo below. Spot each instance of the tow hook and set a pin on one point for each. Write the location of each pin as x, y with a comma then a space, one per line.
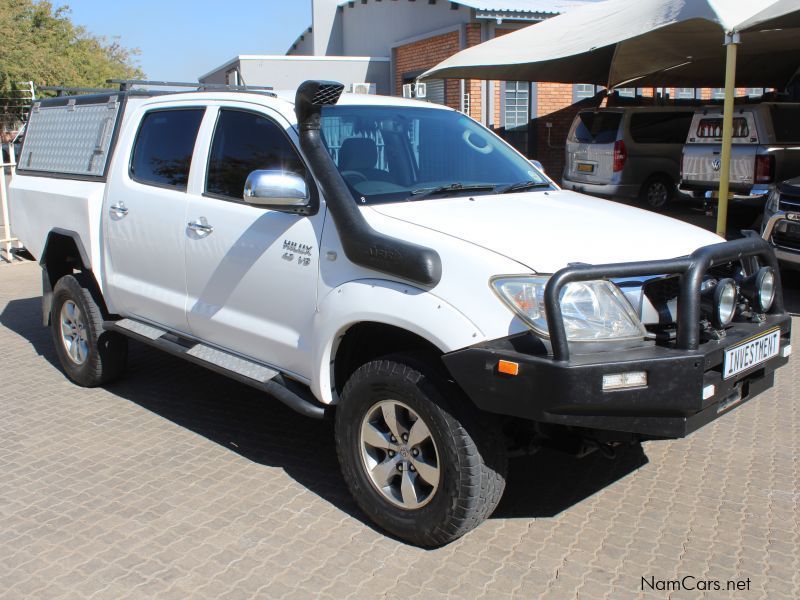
609, 451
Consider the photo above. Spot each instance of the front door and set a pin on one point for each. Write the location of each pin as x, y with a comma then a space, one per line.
145, 218
251, 272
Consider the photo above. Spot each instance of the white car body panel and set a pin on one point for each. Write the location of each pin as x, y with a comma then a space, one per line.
531, 228
36, 206
245, 290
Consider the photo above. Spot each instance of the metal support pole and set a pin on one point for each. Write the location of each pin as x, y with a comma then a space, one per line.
4, 206
731, 45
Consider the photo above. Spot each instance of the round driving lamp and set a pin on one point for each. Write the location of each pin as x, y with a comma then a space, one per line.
759, 289
719, 303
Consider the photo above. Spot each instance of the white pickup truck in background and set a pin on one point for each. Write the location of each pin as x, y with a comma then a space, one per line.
396, 265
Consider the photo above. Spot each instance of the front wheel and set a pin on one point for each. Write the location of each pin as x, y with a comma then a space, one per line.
418, 458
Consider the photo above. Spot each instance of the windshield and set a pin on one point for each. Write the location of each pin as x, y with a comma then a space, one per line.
392, 154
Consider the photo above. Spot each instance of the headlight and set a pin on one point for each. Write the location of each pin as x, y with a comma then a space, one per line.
592, 310
718, 302
759, 289
773, 201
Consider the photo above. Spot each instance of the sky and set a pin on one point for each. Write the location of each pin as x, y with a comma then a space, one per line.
181, 40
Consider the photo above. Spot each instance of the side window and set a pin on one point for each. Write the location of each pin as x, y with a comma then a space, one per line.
245, 142
660, 127
162, 154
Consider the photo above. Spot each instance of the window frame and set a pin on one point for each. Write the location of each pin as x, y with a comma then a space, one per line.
313, 193
519, 86
164, 186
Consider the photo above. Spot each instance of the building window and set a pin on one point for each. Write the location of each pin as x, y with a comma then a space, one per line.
626, 92
684, 93
517, 104
718, 93
581, 91
754, 92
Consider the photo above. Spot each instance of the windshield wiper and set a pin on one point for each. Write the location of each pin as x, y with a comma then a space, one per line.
446, 189
524, 185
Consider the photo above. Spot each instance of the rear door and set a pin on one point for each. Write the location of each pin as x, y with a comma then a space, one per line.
590, 146
145, 217
702, 155
251, 277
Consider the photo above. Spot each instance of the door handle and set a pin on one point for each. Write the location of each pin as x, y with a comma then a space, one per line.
200, 226
119, 209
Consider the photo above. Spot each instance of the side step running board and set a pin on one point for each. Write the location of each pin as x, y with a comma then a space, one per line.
254, 374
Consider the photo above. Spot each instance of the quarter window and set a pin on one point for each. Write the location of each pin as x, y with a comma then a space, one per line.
245, 142
164, 145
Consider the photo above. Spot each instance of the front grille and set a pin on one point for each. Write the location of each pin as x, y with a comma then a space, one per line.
787, 234
789, 203
662, 290
730, 270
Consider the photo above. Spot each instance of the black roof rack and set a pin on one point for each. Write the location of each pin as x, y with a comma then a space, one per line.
128, 85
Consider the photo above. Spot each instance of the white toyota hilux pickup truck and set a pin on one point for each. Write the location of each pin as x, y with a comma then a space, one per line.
395, 265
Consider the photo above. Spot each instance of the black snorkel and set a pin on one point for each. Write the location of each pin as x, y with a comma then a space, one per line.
362, 244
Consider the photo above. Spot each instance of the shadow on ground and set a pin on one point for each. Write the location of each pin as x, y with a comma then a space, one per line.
262, 430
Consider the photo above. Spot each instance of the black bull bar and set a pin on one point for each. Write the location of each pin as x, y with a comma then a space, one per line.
691, 269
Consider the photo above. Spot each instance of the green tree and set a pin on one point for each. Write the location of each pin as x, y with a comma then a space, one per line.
39, 43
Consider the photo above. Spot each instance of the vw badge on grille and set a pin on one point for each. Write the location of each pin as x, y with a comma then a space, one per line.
716, 164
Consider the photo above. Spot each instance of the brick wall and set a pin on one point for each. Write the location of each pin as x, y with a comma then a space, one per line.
474, 87
427, 53
556, 108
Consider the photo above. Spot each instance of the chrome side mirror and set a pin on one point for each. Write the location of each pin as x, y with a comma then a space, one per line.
536, 164
279, 190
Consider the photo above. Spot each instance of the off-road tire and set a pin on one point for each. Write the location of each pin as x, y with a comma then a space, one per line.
472, 453
107, 351
657, 192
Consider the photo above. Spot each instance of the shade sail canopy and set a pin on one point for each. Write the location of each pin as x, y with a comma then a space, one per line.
644, 43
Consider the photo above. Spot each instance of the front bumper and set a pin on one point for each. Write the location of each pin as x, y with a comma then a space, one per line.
563, 386
571, 392
786, 254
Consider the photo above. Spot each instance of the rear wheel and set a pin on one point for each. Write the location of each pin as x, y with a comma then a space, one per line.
418, 458
657, 192
89, 355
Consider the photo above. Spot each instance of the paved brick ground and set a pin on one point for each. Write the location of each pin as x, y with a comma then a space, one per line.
177, 483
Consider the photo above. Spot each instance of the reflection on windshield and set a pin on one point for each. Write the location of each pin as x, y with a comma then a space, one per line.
391, 154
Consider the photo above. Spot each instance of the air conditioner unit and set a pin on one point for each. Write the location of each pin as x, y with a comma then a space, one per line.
415, 90
362, 88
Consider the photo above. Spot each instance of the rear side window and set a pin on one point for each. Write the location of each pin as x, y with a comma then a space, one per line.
597, 127
712, 128
786, 123
660, 127
245, 142
164, 145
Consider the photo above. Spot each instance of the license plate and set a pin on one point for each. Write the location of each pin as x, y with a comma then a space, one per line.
751, 353
585, 168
